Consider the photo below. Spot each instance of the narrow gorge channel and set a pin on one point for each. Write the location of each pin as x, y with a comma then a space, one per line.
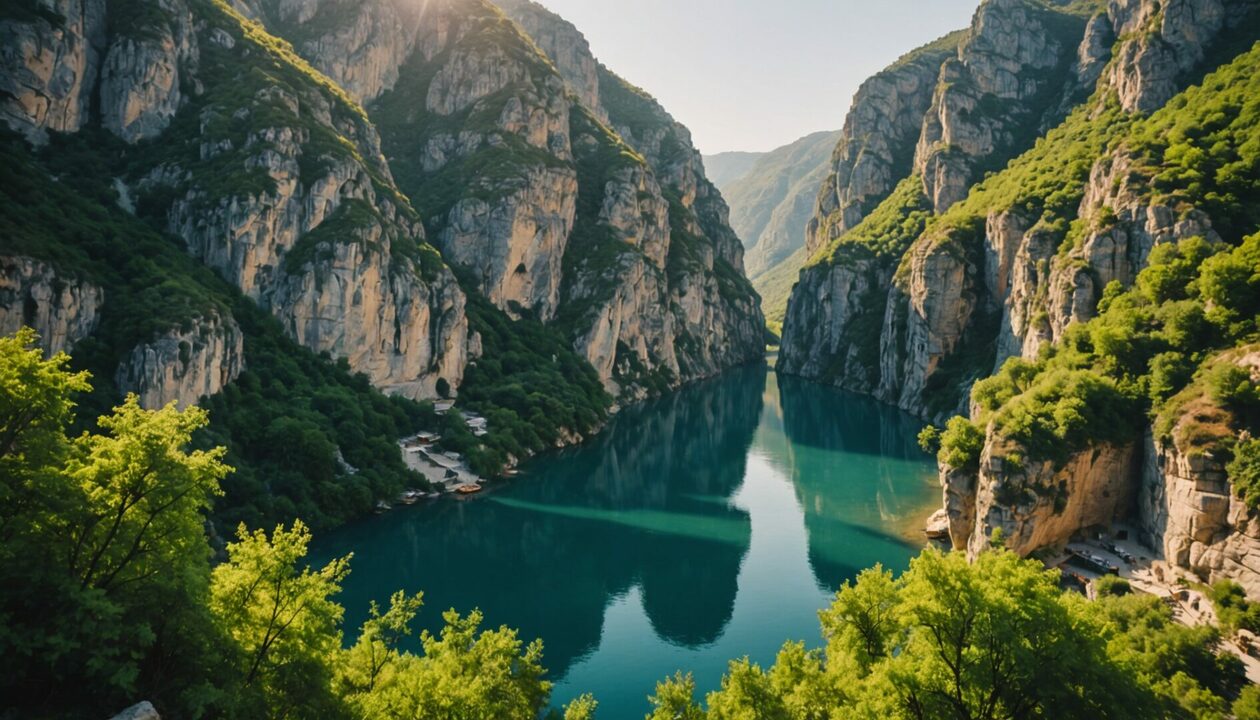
709, 524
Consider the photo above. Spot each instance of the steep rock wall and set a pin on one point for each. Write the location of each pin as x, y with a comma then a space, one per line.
1037, 504
49, 65
184, 365
62, 309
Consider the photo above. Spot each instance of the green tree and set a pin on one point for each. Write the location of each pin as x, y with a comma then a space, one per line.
675, 699
372, 661
35, 409
991, 640
283, 619
863, 622
145, 495
582, 708
961, 444
465, 673
1247, 706
104, 560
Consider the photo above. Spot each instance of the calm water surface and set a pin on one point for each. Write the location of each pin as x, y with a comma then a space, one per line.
706, 526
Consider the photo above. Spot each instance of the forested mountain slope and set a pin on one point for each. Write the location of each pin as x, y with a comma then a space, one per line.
1069, 159
477, 230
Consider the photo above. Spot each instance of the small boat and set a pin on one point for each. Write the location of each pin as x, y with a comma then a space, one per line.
383, 507
468, 489
410, 497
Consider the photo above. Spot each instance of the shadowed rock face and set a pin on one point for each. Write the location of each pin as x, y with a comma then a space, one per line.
184, 366
63, 310
49, 68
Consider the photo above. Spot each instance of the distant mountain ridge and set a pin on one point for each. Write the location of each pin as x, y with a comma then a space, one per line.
772, 197
727, 167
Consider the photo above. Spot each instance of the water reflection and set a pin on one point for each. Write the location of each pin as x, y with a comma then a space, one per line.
646, 504
709, 525
856, 511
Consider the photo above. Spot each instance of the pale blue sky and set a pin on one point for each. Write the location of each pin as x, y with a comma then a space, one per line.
757, 74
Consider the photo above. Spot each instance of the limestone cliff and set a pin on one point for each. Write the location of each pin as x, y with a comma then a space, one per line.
49, 65
939, 117
62, 309
991, 96
283, 190
994, 280
952, 272
1162, 42
503, 134
877, 144
184, 365
1037, 504
1188, 509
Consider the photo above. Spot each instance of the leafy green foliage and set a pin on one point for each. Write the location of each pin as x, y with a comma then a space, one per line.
961, 444
1232, 607
531, 387
104, 559
1112, 585
1182, 665
1244, 471
282, 619
887, 232
106, 590
993, 639
1136, 356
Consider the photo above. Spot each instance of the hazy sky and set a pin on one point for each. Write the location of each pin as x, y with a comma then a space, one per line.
757, 74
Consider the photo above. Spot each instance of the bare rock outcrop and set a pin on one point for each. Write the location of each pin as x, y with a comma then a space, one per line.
185, 364
61, 308
989, 97
1189, 513
310, 225
1038, 504
140, 87
1162, 41
565, 45
49, 63
878, 141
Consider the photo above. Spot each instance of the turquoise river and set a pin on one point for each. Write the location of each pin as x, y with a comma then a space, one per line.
705, 526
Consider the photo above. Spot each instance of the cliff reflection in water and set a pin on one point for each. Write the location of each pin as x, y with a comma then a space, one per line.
861, 511
646, 504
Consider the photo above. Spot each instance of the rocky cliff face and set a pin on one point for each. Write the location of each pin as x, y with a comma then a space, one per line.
1188, 509
274, 176
141, 79
63, 310
987, 276
1162, 42
184, 366
1190, 513
877, 145
509, 158
1038, 504
939, 117
977, 304
49, 65
565, 45
300, 213
991, 96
